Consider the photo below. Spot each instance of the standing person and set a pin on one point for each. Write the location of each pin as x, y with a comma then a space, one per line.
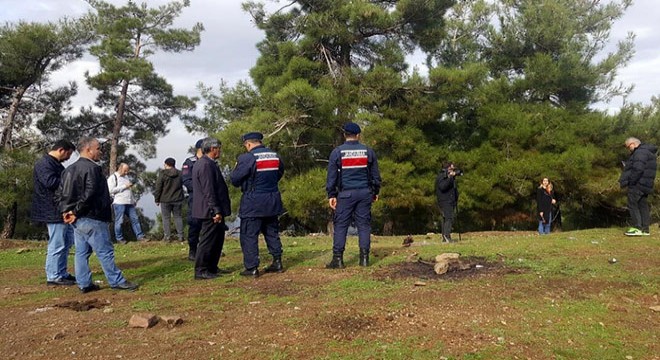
124, 202
446, 193
169, 195
352, 185
639, 176
545, 198
257, 173
85, 203
46, 175
211, 205
194, 226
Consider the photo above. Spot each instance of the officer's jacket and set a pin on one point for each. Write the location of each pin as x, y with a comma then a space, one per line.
47, 174
639, 173
186, 173
84, 190
211, 192
352, 166
258, 173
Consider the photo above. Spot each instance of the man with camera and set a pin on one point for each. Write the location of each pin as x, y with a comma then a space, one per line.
447, 195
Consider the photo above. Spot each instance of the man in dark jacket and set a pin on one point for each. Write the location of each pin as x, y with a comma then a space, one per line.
352, 185
169, 195
211, 205
85, 203
639, 176
186, 175
47, 174
447, 194
258, 173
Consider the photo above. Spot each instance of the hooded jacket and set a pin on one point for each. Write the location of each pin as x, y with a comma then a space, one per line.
169, 186
640, 169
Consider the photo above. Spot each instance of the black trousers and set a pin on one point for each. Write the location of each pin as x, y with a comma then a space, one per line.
638, 207
448, 215
209, 249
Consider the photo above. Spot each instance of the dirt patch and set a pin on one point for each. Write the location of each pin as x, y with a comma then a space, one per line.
347, 327
83, 305
478, 267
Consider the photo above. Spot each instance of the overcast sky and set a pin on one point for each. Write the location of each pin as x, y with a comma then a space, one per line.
227, 51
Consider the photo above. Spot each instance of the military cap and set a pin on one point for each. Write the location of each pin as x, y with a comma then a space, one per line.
351, 128
252, 136
198, 144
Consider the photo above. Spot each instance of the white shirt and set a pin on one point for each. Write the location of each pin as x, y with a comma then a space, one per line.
120, 189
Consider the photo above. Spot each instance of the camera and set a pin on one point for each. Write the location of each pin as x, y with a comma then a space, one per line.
458, 172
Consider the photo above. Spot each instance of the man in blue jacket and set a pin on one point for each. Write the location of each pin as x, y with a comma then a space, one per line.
211, 205
47, 173
639, 177
353, 183
258, 172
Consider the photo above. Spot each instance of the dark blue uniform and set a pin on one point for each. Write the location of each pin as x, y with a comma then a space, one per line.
194, 225
354, 179
258, 173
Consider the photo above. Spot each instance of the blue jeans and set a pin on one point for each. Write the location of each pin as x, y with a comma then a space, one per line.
93, 235
544, 228
352, 205
60, 240
128, 209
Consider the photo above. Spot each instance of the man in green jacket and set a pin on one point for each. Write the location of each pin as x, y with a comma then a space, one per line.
169, 195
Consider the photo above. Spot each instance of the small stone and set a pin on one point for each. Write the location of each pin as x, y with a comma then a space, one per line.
389, 317
412, 257
143, 321
441, 267
612, 260
655, 308
22, 250
420, 283
108, 310
58, 336
628, 357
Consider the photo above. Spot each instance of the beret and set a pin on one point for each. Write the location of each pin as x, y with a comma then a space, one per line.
198, 144
351, 128
252, 136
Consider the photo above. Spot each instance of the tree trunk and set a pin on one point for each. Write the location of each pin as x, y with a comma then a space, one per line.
388, 228
10, 222
5, 140
116, 128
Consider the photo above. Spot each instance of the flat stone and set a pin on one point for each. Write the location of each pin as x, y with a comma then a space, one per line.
655, 308
447, 256
143, 321
441, 267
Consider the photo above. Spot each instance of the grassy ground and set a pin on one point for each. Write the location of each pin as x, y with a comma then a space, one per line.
552, 297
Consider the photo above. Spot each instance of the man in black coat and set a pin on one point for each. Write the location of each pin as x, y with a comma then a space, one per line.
186, 176
47, 173
447, 195
169, 196
211, 205
639, 176
85, 203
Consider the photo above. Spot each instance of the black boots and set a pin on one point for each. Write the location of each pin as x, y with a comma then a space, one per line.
250, 272
276, 266
337, 262
364, 257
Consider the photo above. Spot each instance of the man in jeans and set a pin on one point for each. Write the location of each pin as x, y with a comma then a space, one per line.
169, 195
84, 202
47, 173
124, 203
639, 177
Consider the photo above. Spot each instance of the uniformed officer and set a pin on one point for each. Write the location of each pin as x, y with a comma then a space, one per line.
352, 185
258, 172
194, 226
